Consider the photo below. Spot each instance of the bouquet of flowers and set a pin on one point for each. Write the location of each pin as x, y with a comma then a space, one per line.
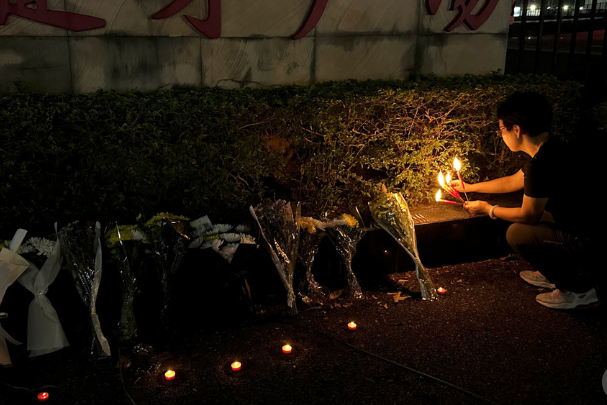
81, 248
127, 247
309, 244
345, 233
225, 277
391, 212
169, 235
279, 228
222, 238
44, 331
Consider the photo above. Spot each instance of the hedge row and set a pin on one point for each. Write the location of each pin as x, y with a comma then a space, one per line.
113, 155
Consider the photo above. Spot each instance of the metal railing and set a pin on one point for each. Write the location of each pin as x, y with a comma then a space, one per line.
561, 38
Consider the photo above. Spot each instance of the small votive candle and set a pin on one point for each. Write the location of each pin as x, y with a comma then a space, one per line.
42, 397
352, 326
287, 349
441, 290
236, 366
169, 375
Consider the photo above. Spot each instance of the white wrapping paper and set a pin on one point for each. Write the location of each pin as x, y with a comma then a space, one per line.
11, 267
44, 332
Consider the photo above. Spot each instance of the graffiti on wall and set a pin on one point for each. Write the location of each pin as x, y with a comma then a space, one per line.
37, 10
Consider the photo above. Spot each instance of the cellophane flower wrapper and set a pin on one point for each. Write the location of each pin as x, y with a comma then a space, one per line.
391, 212
345, 235
127, 245
309, 243
170, 235
280, 232
83, 257
44, 331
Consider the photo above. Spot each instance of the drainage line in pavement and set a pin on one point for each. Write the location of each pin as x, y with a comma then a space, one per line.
325, 336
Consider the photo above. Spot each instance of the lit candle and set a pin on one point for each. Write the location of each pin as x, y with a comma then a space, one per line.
450, 188
441, 290
287, 349
352, 326
457, 165
42, 397
236, 366
439, 199
447, 187
169, 375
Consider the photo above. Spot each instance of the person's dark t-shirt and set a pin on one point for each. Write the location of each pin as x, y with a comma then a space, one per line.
552, 173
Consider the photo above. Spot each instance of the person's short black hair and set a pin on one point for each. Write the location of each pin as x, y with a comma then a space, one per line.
531, 111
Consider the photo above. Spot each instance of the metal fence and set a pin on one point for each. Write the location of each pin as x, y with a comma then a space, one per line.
562, 38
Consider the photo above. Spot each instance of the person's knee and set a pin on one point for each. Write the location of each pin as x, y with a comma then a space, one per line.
516, 235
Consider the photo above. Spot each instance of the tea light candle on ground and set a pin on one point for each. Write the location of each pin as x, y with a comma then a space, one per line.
169, 375
236, 366
441, 290
352, 326
287, 349
42, 397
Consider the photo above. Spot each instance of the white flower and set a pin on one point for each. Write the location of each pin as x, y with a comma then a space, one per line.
211, 231
44, 247
243, 229
206, 245
227, 251
25, 248
230, 237
247, 239
221, 228
138, 235
196, 243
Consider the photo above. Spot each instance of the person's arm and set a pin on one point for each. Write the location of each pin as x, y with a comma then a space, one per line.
530, 212
507, 184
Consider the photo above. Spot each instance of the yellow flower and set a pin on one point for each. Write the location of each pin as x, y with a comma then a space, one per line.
309, 224
349, 220
112, 239
157, 219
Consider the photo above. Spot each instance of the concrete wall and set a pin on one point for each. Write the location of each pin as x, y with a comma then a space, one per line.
354, 39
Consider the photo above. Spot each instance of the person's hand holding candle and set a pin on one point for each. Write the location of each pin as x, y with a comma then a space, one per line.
478, 207
458, 186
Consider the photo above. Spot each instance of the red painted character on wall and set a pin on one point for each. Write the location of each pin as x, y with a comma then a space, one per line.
37, 10
464, 15
211, 26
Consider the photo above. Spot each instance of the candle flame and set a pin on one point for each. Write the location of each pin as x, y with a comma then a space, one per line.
448, 178
438, 195
441, 180
456, 164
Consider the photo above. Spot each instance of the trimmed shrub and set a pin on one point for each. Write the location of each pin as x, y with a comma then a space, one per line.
113, 155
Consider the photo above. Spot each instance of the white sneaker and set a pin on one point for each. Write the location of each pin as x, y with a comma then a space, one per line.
558, 299
536, 278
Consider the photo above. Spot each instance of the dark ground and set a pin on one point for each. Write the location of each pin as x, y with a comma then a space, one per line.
485, 341
487, 335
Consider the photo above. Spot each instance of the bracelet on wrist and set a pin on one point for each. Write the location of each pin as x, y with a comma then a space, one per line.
491, 214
